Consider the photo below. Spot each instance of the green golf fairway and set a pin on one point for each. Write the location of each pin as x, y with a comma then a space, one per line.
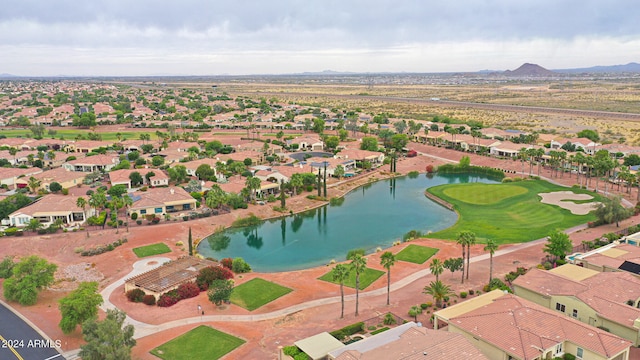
507, 213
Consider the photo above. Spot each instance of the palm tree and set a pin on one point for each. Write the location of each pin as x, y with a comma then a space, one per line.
340, 274
253, 184
82, 203
296, 182
465, 239
436, 267
439, 291
387, 260
33, 225
415, 311
34, 184
491, 247
358, 265
522, 155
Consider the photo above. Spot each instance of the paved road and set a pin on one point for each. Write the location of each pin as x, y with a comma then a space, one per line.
18, 340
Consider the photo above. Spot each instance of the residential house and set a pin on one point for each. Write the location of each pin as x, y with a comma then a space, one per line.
307, 142
586, 145
604, 299
330, 165
613, 257
192, 166
94, 163
374, 157
85, 146
49, 208
9, 176
409, 341
506, 326
67, 179
162, 201
507, 149
122, 176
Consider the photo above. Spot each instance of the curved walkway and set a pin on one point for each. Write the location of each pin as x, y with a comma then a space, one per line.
143, 329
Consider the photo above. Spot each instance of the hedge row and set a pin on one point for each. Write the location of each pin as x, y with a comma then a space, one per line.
347, 330
103, 249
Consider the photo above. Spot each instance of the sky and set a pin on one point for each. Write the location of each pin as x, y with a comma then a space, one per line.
246, 37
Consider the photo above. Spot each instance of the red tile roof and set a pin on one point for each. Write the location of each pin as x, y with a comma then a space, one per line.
520, 327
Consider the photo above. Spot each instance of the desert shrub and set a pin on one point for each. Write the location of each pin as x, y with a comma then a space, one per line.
347, 330
568, 356
6, 267
211, 273
424, 306
413, 174
291, 350
240, 266
139, 222
134, 216
271, 199
149, 300
11, 231
179, 243
496, 284
354, 252
371, 328
188, 290
135, 295
166, 300
389, 319
463, 294
155, 220
301, 356
429, 169
227, 263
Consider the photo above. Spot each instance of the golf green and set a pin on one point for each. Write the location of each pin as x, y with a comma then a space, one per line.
507, 213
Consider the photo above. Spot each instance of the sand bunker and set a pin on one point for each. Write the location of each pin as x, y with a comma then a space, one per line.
563, 199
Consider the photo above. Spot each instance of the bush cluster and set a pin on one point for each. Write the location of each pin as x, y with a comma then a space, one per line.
149, 300
227, 263
209, 274
347, 330
13, 231
240, 266
188, 290
484, 170
168, 299
135, 295
103, 248
512, 275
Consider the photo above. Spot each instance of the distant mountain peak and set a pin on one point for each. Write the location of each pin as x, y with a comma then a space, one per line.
528, 69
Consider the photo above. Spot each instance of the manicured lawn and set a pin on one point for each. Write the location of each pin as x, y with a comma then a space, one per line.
416, 254
70, 134
153, 249
366, 278
256, 293
201, 343
507, 213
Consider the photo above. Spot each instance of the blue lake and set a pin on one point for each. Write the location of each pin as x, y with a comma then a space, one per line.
371, 216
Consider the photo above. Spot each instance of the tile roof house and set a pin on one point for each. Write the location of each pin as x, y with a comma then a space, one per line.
121, 176
67, 179
92, 163
505, 326
595, 298
612, 257
307, 142
162, 201
49, 208
411, 342
9, 176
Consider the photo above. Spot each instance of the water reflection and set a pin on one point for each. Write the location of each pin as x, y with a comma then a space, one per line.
219, 241
390, 209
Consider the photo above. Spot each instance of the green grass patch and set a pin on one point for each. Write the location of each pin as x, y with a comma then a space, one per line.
70, 134
201, 343
366, 278
153, 249
483, 194
256, 293
416, 254
507, 213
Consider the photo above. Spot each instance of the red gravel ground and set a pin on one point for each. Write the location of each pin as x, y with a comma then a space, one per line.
264, 337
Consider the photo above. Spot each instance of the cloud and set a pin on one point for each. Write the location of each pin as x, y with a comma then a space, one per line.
255, 35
